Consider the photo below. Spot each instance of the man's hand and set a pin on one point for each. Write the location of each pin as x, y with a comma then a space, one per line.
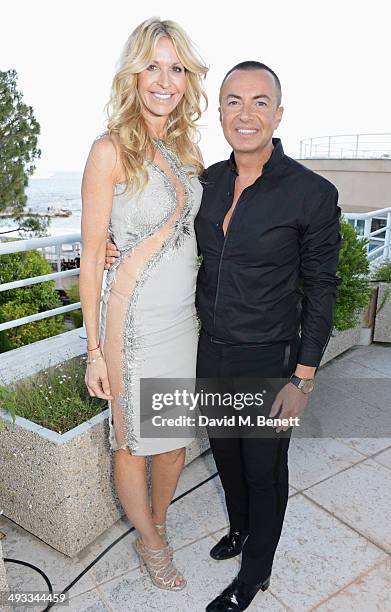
293, 403
111, 252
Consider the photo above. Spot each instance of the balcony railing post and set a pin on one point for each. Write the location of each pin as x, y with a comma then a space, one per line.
83, 331
58, 249
367, 230
387, 237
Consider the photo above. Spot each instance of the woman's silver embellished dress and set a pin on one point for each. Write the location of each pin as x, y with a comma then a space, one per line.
148, 323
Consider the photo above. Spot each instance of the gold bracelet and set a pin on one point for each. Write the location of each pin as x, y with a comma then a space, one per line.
93, 360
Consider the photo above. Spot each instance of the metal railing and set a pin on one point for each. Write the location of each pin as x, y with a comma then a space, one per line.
16, 246
347, 146
379, 244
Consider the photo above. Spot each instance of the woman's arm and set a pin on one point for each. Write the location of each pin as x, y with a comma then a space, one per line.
97, 201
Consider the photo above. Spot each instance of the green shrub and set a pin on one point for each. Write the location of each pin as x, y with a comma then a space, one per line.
382, 273
24, 301
353, 269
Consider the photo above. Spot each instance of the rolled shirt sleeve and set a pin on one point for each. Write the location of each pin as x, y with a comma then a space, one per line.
319, 250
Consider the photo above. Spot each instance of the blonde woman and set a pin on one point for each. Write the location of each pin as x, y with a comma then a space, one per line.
140, 183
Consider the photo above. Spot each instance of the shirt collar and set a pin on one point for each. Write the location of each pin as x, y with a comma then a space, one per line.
274, 159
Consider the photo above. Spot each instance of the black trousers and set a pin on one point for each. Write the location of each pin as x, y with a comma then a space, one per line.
253, 471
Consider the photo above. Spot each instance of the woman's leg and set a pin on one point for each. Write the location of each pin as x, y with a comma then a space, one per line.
165, 471
131, 485
130, 478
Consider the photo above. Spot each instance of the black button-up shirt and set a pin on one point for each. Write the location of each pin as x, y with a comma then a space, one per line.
274, 274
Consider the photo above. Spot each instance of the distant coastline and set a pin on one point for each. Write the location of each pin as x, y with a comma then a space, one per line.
60, 190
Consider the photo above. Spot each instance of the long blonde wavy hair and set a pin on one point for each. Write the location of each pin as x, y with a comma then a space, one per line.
124, 108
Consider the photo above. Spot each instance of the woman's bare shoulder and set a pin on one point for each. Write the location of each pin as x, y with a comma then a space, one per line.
105, 154
105, 145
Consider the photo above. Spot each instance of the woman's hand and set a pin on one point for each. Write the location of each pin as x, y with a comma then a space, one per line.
96, 378
111, 252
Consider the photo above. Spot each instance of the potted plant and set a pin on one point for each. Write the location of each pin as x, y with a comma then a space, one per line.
353, 293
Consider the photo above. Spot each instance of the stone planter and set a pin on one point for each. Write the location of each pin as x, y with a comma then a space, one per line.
60, 487
382, 331
368, 319
340, 342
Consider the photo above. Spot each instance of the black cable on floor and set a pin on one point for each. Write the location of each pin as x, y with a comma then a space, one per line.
34, 567
86, 569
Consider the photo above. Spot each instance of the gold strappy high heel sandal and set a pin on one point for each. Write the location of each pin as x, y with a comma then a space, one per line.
160, 566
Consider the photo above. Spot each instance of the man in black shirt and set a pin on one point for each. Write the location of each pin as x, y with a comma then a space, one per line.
268, 232
264, 222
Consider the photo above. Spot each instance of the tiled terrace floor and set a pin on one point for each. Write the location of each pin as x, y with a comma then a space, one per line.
334, 553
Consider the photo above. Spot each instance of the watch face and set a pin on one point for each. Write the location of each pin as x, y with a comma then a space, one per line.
307, 386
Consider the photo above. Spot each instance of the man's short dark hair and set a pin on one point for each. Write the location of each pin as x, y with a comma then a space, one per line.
254, 65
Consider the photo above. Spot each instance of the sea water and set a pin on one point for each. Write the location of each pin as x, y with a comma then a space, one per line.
61, 190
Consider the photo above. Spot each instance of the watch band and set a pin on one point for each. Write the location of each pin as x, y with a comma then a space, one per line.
306, 385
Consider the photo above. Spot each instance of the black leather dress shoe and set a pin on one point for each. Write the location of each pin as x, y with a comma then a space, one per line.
237, 596
229, 546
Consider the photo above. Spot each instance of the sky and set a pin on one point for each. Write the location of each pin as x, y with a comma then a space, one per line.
332, 59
